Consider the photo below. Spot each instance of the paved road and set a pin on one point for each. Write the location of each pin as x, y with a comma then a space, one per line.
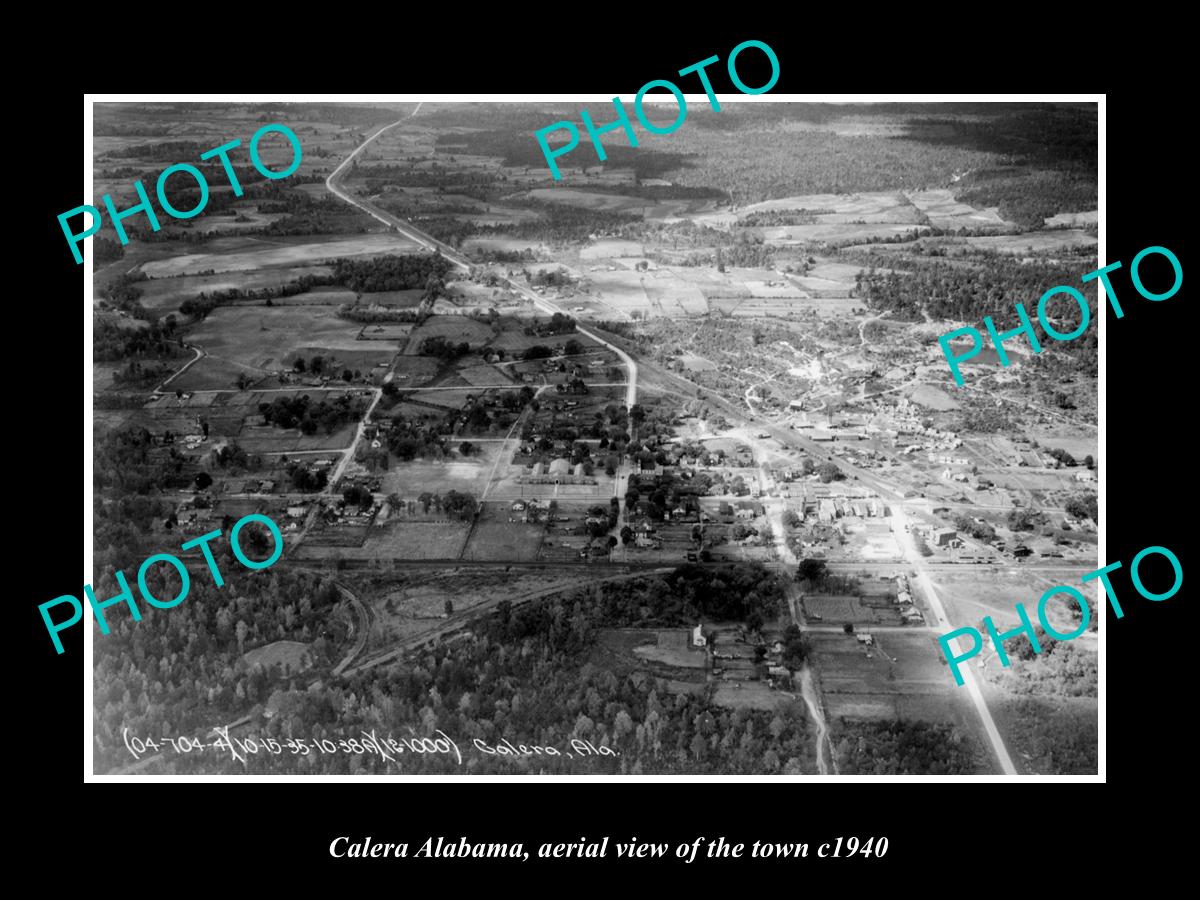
935, 604
915, 561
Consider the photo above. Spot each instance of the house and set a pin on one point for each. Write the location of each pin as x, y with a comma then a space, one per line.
942, 537
297, 511
518, 507
698, 638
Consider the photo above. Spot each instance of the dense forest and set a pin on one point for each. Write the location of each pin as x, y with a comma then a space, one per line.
112, 343
384, 273
390, 273
528, 674
1032, 160
904, 747
690, 593
960, 290
1056, 737
309, 415
182, 669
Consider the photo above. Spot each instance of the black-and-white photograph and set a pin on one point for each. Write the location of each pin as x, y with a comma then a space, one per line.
655, 437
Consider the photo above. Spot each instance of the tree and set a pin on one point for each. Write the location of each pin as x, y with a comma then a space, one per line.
829, 472
466, 448
812, 571
203, 480
449, 607
626, 535
795, 648
848, 628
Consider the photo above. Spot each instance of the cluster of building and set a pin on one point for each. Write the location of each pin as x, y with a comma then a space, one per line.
904, 601
559, 471
533, 511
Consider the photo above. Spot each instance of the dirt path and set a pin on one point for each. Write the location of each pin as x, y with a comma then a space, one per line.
824, 747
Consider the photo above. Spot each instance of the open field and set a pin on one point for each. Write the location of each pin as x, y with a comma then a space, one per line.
869, 208
400, 540
455, 329
905, 676
277, 252
409, 479
272, 337
1034, 242
633, 649
163, 294
946, 212
500, 540
291, 656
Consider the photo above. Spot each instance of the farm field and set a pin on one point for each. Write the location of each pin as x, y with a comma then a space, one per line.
1034, 242
501, 540
271, 338
905, 676
166, 293
277, 252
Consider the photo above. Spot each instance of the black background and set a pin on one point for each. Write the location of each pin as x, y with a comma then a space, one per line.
949, 836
